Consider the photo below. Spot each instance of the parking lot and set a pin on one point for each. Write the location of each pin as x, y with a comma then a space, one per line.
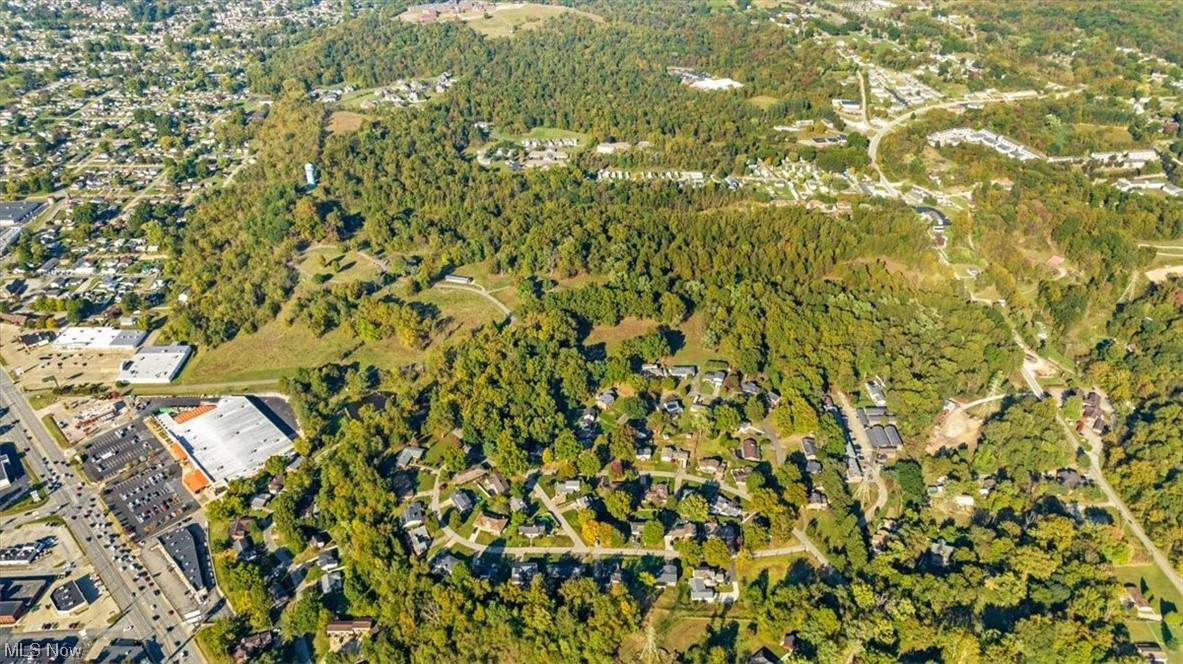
118, 450
150, 500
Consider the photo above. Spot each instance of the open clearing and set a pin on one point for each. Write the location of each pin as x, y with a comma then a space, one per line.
1159, 275
500, 20
278, 349
1161, 596
763, 102
344, 267
345, 121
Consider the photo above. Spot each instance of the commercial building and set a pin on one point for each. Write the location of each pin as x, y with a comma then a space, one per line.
186, 549
98, 338
73, 594
154, 365
19, 212
227, 439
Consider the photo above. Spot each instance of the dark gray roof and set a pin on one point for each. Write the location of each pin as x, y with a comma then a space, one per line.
186, 547
18, 211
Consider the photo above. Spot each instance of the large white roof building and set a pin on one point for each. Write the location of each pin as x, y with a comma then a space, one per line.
98, 338
154, 364
228, 439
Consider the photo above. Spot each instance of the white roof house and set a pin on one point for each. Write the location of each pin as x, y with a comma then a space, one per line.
228, 439
98, 338
154, 364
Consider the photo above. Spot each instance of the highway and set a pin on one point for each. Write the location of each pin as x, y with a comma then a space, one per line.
69, 500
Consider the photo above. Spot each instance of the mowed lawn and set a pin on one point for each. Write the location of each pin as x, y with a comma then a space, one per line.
1160, 594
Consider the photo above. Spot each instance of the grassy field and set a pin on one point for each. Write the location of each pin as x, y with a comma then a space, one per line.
1160, 594
505, 20
54, 430
763, 102
279, 349
345, 121
611, 336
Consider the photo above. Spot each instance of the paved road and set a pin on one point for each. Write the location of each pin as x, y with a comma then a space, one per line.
872, 468
682, 476
806, 545
567, 528
69, 501
1094, 449
897, 122
777, 446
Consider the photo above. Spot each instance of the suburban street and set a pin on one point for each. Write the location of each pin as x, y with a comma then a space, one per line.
67, 502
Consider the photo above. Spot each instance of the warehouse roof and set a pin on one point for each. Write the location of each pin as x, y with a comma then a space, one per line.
229, 441
155, 364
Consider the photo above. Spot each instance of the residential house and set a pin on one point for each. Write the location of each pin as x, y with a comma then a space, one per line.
252, 646
260, 500
1137, 601
568, 487
644, 453
750, 388
749, 450
700, 592
716, 378
722, 506
658, 494
244, 549
444, 563
741, 474
275, 485
681, 530
635, 529
668, 576
1151, 652
517, 504
653, 370
522, 572
672, 406
239, 528
344, 635
683, 371
419, 540
875, 415
331, 582
763, 656
494, 484
809, 446
462, 501
817, 501
1070, 478
533, 530
605, 399
813, 467
413, 516
675, 455
329, 560
491, 524
565, 570
408, 457
712, 466
940, 553
875, 390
